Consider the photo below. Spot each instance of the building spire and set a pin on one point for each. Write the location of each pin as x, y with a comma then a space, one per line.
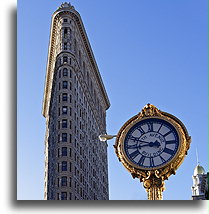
197, 157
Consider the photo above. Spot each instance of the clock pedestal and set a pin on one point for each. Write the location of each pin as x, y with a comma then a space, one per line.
154, 187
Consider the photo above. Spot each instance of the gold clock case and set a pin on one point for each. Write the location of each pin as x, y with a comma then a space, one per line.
156, 175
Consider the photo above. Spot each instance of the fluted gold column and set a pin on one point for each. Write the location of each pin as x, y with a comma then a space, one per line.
154, 187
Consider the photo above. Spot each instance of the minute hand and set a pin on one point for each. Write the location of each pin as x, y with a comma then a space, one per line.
143, 141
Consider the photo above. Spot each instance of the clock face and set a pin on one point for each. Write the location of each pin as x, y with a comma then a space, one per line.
151, 143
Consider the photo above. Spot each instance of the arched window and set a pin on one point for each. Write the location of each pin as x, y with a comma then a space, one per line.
64, 165
65, 72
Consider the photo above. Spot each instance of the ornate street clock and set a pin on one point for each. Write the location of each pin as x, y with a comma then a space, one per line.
151, 146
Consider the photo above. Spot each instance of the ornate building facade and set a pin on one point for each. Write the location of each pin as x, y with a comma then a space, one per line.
74, 105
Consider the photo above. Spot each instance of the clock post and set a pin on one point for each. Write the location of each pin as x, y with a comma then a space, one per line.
154, 187
151, 146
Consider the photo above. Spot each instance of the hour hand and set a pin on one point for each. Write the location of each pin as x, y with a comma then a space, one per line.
142, 141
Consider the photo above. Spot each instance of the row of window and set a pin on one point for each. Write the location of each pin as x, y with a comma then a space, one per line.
64, 152
65, 73
63, 196
64, 137
63, 181
64, 124
64, 166
64, 85
64, 110
65, 97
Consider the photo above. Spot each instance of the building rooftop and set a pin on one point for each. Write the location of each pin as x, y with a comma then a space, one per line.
199, 170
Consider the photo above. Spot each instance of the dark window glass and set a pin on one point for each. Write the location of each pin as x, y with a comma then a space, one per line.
65, 46
65, 33
64, 181
64, 165
64, 97
64, 123
65, 72
64, 137
58, 124
65, 20
64, 84
64, 151
65, 59
63, 195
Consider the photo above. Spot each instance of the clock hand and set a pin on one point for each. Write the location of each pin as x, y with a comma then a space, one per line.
143, 141
135, 139
156, 143
151, 144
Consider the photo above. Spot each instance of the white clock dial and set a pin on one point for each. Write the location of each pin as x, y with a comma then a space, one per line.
151, 143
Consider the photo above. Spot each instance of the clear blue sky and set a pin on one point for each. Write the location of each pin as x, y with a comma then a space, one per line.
147, 52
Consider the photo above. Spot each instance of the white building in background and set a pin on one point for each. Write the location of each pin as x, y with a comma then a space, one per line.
200, 184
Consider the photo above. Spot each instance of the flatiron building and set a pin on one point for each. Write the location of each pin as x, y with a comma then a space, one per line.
74, 105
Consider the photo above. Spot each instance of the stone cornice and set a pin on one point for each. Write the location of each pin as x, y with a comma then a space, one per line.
51, 55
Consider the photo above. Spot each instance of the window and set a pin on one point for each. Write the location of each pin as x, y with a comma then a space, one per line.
65, 59
64, 97
65, 72
63, 195
64, 84
64, 181
64, 109
70, 111
65, 20
64, 123
64, 151
64, 137
65, 46
75, 46
64, 165
65, 32
58, 167
79, 57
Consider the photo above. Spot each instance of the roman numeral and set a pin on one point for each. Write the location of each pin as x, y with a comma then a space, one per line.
160, 127
150, 127
162, 159
141, 130
132, 146
141, 160
169, 151
135, 139
134, 154
167, 133
152, 162
171, 142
